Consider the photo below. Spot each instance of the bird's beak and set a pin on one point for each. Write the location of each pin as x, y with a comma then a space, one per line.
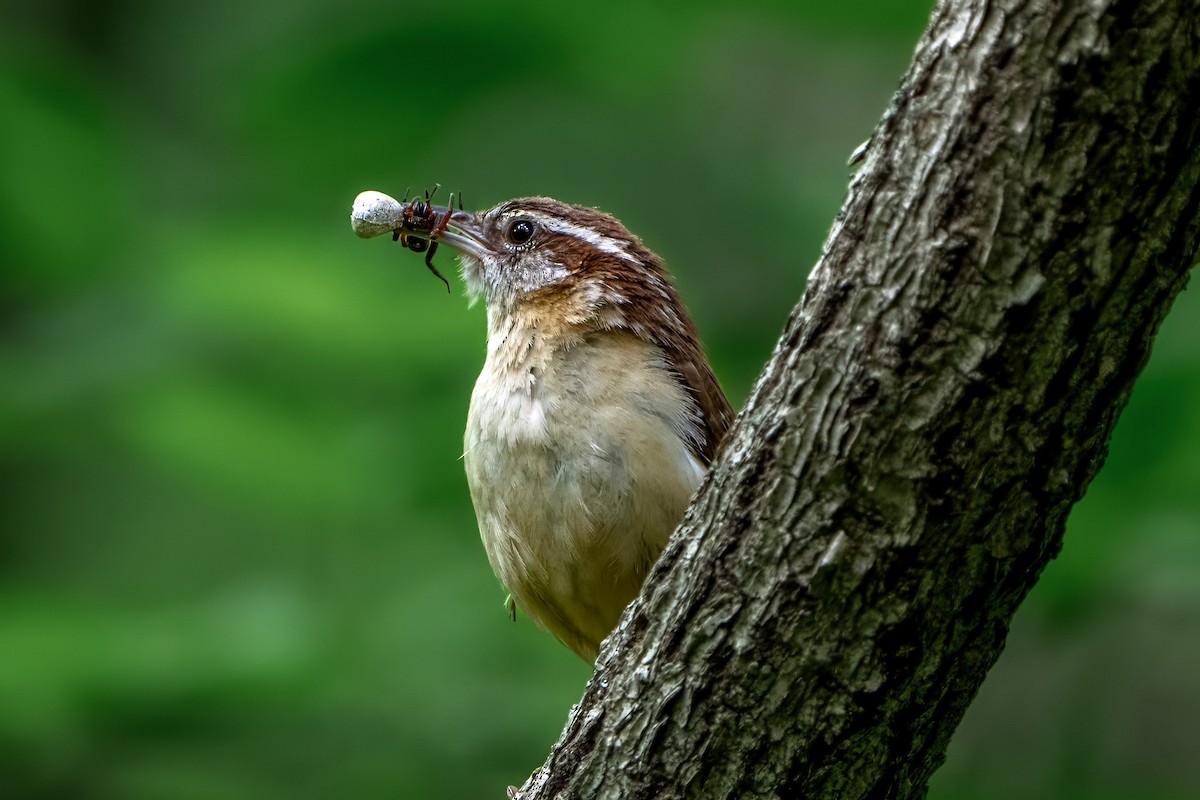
464, 232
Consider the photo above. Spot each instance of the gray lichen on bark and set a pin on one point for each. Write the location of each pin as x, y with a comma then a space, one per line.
940, 398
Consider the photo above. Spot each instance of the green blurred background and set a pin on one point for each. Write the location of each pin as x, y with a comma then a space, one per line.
237, 554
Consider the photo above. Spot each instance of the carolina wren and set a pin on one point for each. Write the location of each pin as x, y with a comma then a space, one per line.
596, 414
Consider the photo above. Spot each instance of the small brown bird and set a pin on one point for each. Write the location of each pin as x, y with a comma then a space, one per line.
596, 414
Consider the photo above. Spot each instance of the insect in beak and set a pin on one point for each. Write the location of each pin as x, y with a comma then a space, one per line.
421, 216
416, 224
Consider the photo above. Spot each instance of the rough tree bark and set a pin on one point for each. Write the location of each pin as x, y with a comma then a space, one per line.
942, 395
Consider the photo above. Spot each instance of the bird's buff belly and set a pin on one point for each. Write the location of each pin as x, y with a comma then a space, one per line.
572, 517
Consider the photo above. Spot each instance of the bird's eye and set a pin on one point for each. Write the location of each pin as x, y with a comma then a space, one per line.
520, 231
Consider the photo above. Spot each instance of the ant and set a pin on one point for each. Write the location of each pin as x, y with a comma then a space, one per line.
419, 215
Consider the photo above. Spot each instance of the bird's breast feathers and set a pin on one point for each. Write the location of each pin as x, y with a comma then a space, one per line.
579, 465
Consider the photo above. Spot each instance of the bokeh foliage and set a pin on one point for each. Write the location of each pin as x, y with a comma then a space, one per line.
237, 555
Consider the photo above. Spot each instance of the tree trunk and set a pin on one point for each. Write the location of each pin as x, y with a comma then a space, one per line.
944, 392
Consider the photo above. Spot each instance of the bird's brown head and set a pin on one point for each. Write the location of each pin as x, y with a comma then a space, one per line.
539, 251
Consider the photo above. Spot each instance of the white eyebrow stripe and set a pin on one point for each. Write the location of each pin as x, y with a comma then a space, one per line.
605, 244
